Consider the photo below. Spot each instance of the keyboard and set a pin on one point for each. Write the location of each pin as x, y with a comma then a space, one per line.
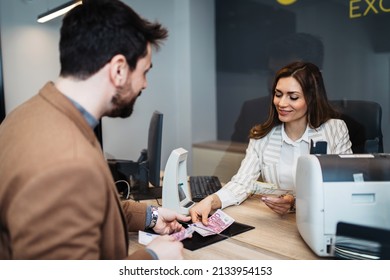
202, 186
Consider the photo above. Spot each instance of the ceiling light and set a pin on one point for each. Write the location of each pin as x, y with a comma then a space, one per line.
58, 11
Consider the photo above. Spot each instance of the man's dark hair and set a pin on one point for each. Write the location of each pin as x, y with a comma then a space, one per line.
97, 30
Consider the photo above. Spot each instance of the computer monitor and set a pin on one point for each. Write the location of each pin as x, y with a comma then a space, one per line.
143, 175
2, 101
154, 148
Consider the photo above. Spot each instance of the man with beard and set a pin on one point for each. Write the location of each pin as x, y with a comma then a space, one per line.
58, 199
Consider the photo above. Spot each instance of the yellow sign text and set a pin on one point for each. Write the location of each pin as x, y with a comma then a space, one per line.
360, 8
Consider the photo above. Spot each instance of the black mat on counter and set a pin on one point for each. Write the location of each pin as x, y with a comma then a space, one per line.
198, 241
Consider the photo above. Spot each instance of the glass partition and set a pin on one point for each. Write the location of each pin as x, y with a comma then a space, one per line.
347, 39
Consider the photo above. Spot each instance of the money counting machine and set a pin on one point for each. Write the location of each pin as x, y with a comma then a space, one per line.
334, 189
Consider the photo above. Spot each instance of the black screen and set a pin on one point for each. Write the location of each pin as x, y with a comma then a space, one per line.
2, 100
154, 148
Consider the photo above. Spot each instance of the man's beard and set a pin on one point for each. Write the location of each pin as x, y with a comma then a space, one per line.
121, 108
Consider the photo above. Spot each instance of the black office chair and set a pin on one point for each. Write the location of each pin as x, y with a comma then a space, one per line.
364, 122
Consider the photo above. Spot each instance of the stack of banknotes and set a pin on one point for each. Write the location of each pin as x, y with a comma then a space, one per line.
217, 223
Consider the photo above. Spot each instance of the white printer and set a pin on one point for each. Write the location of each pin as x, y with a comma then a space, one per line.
340, 188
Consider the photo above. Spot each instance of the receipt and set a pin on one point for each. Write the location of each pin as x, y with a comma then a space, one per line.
145, 238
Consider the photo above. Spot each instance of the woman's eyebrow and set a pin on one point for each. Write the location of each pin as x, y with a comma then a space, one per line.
288, 92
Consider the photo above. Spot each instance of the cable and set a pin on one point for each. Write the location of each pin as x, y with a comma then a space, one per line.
121, 192
158, 202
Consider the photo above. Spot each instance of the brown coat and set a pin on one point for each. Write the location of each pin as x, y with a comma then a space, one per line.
57, 196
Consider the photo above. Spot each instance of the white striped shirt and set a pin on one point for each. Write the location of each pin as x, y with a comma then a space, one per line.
262, 159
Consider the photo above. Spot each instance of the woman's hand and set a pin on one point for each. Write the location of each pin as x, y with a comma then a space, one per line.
201, 211
280, 205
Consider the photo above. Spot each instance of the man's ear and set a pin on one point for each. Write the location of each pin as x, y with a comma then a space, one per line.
118, 70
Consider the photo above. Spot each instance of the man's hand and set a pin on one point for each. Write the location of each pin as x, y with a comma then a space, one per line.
168, 221
166, 248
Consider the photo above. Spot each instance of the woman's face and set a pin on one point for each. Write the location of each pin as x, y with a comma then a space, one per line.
289, 101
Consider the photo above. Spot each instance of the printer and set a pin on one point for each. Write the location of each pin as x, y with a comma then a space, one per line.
333, 189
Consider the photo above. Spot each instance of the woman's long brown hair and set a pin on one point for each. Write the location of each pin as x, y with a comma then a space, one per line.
319, 109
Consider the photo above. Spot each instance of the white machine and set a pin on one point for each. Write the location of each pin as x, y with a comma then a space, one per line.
340, 188
175, 190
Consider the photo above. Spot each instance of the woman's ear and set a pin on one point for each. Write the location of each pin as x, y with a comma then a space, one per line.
118, 70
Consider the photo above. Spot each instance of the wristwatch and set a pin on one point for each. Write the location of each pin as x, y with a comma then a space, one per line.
154, 213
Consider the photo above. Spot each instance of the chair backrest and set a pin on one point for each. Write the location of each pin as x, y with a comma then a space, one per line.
364, 121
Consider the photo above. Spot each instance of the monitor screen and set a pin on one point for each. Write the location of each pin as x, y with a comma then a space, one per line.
142, 176
2, 100
154, 148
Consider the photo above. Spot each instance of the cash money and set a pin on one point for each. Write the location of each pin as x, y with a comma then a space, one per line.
217, 223
183, 234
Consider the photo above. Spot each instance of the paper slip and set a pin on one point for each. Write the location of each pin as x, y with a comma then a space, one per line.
218, 222
267, 189
145, 238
